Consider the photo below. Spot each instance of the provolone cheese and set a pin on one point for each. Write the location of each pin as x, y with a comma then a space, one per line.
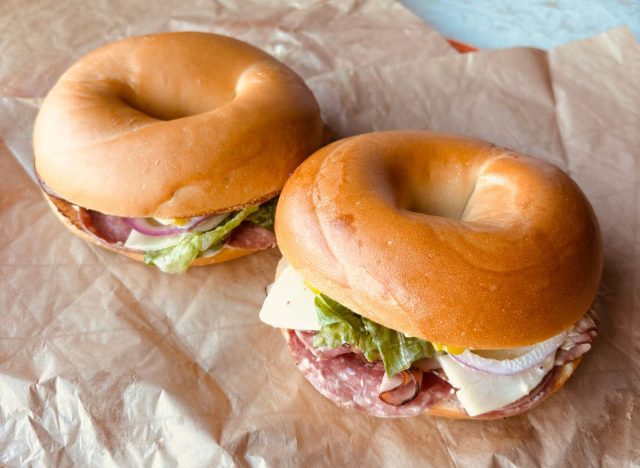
481, 392
290, 304
146, 243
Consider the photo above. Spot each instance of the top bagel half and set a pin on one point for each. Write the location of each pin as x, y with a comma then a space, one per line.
448, 239
171, 148
174, 125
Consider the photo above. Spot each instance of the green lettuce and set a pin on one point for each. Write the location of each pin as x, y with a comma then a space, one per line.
178, 258
265, 216
397, 350
339, 325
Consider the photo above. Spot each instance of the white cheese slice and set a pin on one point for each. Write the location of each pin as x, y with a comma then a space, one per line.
481, 392
143, 242
289, 303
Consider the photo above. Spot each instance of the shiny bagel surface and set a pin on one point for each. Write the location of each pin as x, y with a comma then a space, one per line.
174, 125
449, 239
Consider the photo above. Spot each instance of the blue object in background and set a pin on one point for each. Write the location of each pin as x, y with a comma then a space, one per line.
490, 24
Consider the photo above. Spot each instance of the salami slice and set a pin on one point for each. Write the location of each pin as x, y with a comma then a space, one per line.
323, 353
350, 382
111, 229
251, 236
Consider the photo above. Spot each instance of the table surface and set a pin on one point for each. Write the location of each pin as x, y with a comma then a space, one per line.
492, 24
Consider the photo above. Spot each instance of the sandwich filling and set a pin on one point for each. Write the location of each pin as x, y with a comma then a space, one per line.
173, 244
362, 364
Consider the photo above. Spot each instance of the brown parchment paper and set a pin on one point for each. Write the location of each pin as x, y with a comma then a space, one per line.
106, 362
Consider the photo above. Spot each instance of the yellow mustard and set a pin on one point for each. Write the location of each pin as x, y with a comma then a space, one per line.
311, 288
448, 349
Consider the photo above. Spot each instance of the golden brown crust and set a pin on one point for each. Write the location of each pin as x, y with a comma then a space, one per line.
174, 125
509, 254
69, 217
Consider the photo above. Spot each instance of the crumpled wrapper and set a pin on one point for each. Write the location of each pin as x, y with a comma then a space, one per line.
108, 362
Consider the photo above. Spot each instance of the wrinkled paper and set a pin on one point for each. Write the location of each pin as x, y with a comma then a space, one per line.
107, 362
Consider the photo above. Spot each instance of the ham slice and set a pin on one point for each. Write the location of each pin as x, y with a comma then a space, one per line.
251, 236
579, 339
400, 388
564, 356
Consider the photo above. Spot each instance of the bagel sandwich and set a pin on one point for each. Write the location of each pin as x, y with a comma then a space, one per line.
172, 148
436, 274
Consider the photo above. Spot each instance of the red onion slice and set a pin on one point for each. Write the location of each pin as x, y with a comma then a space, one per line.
148, 228
533, 355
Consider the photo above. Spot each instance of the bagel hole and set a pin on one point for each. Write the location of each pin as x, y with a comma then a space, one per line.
417, 192
432, 208
162, 108
151, 111
446, 200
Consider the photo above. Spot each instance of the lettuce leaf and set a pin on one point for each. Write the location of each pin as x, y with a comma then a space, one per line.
339, 325
178, 258
397, 350
265, 216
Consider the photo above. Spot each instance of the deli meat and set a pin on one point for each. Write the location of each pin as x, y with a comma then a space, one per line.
323, 353
344, 376
350, 381
251, 236
112, 229
400, 388
579, 339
